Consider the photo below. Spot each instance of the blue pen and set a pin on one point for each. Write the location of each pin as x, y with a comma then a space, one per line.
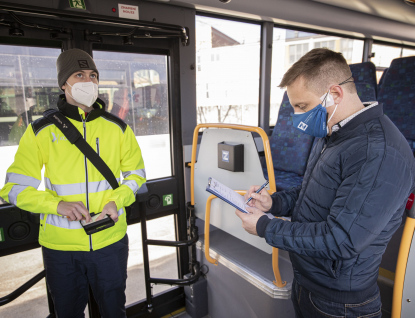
258, 191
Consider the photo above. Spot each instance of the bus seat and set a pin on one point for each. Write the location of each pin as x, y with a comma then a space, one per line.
397, 94
364, 75
382, 78
290, 149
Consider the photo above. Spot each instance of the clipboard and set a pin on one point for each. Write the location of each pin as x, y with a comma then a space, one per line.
226, 194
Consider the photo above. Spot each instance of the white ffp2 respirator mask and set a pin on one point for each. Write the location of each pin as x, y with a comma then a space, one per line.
84, 93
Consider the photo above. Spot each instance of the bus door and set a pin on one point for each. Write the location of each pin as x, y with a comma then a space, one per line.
139, 82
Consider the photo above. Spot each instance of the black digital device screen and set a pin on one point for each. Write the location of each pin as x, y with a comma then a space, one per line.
96, 226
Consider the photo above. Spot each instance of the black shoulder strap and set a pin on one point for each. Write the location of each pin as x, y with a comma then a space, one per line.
75, 138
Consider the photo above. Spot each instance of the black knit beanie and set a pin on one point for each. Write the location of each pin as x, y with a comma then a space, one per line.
71, 61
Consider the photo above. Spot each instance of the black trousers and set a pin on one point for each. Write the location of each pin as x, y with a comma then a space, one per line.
68, 275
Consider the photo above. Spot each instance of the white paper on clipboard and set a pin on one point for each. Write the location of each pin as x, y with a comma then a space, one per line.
227, 194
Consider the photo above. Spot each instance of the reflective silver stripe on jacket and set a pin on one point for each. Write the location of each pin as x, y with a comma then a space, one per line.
131, 184
14, 192
78, 188
63, 222
140, 173
21, 179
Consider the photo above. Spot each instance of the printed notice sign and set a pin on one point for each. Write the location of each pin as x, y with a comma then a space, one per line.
128, 11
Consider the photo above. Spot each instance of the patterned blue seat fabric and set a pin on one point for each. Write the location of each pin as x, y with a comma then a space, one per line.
364, 75
397, 94
290, 149
382, 78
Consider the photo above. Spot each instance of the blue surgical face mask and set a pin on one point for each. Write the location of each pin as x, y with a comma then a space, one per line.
314, 122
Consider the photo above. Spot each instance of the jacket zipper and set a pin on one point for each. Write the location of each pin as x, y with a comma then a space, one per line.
86, 179
97, 140
319, 158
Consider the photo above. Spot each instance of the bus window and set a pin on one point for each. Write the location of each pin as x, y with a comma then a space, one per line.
290, 45
408, 52
134, 88
227, 79
163, 260
17, 269
28, 86
384, 54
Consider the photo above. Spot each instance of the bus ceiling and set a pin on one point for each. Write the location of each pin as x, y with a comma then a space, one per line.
388, 20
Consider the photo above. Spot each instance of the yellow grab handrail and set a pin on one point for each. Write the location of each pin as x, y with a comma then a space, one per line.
406, 241
207, 229
271, 177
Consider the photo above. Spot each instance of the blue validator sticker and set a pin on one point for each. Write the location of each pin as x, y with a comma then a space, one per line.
225, 156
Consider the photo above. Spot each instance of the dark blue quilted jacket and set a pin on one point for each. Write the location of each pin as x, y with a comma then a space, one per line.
350, 203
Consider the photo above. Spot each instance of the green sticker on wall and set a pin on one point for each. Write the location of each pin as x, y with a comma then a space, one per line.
167, 199
77, 4
2, 238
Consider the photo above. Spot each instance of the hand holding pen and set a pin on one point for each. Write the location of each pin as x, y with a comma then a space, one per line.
256, 198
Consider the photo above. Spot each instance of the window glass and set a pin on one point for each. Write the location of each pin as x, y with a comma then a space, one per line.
163, 260
326, 44
17, 269
28, 86
290, 45
408, 52
384, 54
227, 77
135, 88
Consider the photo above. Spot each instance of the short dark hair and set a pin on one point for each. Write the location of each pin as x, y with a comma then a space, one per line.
320, 68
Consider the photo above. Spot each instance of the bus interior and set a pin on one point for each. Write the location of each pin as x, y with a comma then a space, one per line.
188, 76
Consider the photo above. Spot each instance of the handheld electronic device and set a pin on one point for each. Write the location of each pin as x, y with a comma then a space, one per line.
96, 226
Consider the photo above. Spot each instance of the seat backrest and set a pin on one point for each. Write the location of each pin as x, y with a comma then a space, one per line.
397, 94
364, 75
382, 78
290, 147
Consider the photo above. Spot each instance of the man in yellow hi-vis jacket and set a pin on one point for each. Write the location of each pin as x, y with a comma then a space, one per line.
75, 188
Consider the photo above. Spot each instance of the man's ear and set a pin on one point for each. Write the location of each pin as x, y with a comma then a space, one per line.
63, 86
337, 93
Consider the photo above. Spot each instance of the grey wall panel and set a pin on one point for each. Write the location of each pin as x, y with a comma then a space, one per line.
222, 214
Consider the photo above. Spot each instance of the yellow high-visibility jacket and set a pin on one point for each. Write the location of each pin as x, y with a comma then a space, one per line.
69, 176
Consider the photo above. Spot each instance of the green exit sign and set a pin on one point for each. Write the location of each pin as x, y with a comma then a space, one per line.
167, 199
77, 4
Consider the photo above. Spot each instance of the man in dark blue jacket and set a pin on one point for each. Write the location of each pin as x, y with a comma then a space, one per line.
358, 178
